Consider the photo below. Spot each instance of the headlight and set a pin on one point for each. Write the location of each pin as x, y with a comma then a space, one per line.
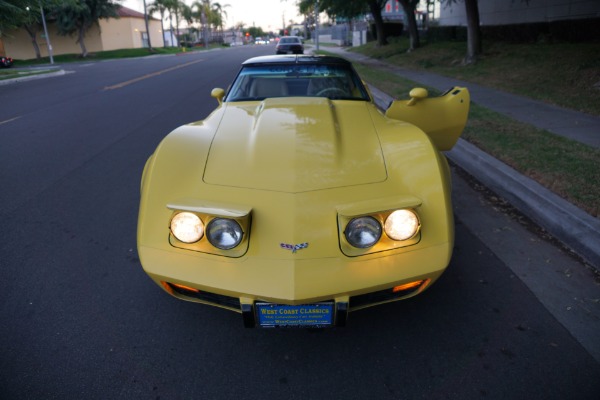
363, 232
401, 225
224, 233
187, 227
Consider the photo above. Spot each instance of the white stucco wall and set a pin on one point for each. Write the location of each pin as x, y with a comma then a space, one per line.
505, 12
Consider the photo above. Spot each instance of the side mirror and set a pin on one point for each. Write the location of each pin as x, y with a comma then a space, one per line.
417, 94
218, 94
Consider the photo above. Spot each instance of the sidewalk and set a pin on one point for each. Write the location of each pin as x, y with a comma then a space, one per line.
574, 227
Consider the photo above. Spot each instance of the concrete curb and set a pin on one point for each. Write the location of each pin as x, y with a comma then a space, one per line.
567, 223
572, 226
33, 77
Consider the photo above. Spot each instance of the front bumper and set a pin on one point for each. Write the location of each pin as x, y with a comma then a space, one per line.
292, 50
340, 307
348, 283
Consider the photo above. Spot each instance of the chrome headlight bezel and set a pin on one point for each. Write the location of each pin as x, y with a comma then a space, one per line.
240, 217
385, 241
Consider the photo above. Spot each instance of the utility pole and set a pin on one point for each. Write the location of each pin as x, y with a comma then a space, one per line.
46, 33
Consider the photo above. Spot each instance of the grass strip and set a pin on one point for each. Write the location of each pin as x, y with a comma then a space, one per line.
568, 168
110, 55
12, 74
563, 74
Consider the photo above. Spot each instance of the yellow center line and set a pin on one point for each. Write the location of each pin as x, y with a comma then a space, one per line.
9, 120
141, 78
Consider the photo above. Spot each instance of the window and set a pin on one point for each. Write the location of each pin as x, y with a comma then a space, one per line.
281, 80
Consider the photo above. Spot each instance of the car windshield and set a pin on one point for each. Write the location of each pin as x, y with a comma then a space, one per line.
334, 81
289, 40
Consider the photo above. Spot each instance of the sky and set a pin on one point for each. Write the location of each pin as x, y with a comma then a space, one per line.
267, 14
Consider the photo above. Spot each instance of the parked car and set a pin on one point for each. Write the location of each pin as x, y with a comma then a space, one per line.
297, 201
289, 44
5, 62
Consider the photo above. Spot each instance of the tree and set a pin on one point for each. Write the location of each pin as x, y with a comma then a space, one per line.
158, 6
78, 16
147, 28
474, 44
11, 12
409, 7
218, 13
347, 9
202, 13
375, 6
255, 31
351, 9
175, 8
31, 22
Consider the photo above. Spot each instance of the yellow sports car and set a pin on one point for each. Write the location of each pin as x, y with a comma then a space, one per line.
297, 201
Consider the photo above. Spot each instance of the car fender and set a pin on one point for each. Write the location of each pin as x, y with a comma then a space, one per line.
416, 166
176, 164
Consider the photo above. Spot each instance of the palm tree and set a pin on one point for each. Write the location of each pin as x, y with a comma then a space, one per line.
158, 6
174, 7
202, 14
218, 13
76, 18
147, 27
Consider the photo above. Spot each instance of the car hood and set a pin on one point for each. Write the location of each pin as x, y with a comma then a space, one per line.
295, 145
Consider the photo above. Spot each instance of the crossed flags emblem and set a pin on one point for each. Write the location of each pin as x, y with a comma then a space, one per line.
293, 247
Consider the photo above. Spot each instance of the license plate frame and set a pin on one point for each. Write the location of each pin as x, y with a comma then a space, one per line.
316, 315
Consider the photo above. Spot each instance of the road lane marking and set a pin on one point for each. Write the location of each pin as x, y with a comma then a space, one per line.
141, 78
9, 120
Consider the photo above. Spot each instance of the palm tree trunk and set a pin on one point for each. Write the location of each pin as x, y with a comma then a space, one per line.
147, 27
162, 29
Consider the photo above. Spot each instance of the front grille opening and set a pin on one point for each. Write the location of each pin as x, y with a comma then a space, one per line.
207, 297
383, 296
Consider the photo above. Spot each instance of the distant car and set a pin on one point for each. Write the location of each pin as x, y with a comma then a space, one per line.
297, 201
5, 62
289, 44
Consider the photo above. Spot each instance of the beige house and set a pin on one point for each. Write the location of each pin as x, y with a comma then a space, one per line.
126, 32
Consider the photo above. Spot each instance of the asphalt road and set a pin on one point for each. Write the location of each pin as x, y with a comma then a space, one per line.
80, 319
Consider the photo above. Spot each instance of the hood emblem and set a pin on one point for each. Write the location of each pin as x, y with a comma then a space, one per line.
293, 247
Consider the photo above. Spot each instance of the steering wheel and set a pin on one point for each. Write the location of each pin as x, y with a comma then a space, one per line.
332, 91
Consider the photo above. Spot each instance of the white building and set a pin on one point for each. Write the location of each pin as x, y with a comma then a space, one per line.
509, 12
